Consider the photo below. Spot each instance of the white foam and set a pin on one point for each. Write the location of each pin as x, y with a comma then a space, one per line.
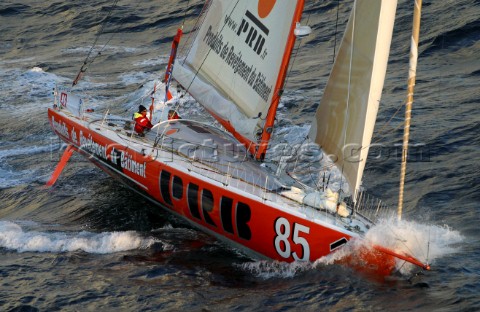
133, 78
425, 242
39, 80
28, 150
275, 269
152, 62
29, 90
108, 48
37, 70
13, 237
10, 177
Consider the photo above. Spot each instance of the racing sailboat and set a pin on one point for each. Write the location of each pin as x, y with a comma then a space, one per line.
215, 176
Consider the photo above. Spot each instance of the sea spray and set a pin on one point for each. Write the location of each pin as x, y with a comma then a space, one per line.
426, 242
13, 237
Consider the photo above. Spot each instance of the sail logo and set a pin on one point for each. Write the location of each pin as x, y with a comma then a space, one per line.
254, 32
265, 7
63, 99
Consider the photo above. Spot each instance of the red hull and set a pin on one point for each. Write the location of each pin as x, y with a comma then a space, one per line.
256, 226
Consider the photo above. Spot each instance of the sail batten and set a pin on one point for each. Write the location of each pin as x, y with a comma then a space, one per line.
346, 116
236, 59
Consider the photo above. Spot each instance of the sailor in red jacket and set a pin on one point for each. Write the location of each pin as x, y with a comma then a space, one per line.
141, 121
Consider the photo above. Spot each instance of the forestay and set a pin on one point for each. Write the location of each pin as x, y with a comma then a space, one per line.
236, 61
345, 118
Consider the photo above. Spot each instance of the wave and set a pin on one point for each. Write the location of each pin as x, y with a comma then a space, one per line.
14, 9
274, 269
10, 176
26, 90
13, 237
83, 51
455, 39
28, 150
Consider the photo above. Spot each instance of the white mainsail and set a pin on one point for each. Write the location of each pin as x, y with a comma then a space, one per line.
346, 116
233, 66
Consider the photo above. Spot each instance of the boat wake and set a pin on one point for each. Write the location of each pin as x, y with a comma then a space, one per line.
275, 269
14, 237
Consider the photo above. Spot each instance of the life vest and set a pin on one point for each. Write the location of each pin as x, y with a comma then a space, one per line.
141, 123
172, 115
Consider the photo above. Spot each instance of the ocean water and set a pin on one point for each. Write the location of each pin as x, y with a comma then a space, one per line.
89, 243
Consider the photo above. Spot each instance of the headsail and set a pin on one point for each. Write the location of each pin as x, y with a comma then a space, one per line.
238, 61
345, 119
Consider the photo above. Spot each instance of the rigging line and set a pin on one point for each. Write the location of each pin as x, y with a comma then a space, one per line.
348, 96
420, 245
286, 82
428, 245
279, 94
377, 140
400, 268
209, 50
86, 62
196, 27
296, 53
402, 241
104, 23
288, 75
150, 93
295, 155
381, 132
336, 30
185, 13
299, 146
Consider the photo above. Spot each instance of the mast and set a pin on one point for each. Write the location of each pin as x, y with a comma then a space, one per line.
272, 111
412, 74
171, 61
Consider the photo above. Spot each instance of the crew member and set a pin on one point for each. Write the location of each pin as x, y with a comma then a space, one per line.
141, 121
172, 115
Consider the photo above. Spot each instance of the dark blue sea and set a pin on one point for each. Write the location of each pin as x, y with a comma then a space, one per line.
90, 244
